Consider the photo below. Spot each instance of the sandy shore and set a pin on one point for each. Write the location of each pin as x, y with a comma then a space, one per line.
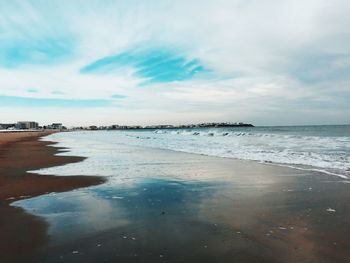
20, 152
166, 206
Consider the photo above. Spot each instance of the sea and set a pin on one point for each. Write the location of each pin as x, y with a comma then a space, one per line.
324, 149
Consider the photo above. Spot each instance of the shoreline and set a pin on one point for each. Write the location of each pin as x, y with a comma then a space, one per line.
165, 201
295, 166
23, 234
21, 152
209, 208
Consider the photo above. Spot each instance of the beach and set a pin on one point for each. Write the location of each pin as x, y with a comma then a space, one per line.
21, 233
174, 131
168, 206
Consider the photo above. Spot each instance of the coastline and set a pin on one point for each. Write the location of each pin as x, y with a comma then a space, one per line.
23, 234
20, 152
162, 202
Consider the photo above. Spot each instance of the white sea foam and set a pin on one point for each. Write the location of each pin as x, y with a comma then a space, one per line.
315, 152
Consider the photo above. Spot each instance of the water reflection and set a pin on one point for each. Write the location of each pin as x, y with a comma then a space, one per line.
197, 209
85, 212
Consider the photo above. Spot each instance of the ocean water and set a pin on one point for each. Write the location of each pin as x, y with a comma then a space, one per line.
324, 149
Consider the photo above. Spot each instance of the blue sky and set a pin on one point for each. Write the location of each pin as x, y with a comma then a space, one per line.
131, 62
155, 65
14, 101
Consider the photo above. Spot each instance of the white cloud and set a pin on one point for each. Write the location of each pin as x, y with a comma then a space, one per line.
256, 49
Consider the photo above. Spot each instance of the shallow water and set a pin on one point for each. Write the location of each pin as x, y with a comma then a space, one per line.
320, 148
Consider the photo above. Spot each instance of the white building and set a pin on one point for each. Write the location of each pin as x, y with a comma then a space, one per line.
27, 125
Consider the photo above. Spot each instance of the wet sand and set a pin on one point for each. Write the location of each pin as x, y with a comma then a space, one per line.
21, 233
166, 206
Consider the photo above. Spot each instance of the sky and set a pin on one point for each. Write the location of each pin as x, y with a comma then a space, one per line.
271, 62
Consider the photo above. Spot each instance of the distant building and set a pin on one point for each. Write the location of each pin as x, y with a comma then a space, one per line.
27, 125
159, 127
5, 126
113, 127
56, 126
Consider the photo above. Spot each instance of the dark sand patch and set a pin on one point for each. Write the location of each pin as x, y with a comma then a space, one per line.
22, 234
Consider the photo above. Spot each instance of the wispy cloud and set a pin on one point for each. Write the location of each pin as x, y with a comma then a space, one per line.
33, 34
